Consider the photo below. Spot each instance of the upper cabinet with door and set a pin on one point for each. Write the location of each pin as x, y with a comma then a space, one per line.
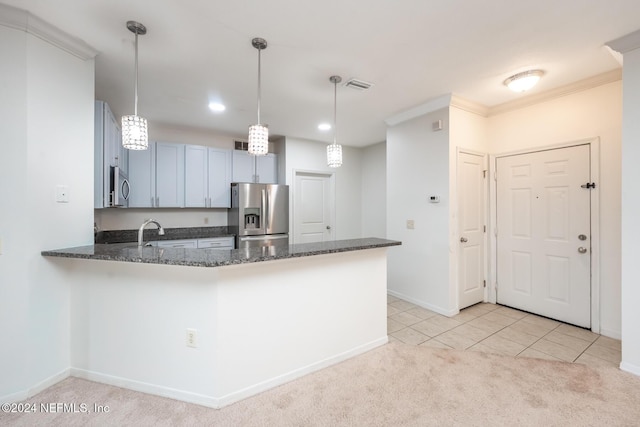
249, 168
207, 177
157, 176
108, 152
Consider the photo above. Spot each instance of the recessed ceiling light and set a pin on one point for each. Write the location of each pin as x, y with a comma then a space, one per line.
324, 126
523, 81
216, 107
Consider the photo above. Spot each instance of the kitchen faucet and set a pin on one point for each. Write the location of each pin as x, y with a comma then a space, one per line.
141, 230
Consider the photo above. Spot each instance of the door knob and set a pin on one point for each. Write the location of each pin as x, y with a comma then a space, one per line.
464, 240
582, 250
328, 227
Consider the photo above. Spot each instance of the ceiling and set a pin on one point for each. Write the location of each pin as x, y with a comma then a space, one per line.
197, 51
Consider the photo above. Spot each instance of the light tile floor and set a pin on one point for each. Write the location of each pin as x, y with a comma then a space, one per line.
497, 329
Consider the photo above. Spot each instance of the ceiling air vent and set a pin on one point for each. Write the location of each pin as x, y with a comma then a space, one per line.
358, 84
241, 145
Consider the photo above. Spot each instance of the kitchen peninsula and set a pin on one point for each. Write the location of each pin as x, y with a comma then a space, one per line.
215, 326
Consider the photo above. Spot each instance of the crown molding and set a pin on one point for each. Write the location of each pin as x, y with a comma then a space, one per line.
469, 106
422, 109
22, 20
626, 43
579, 86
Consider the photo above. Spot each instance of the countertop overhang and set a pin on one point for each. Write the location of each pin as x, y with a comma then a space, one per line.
130, 252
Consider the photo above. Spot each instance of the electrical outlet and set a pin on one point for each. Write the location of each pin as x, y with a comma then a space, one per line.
410, 224
192, 338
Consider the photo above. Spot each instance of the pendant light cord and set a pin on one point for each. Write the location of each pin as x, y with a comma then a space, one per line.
135, 85
259, 86
335, 113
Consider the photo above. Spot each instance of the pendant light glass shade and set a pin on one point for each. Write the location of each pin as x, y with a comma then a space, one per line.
258, 142
134, 133
134, 127
334, 151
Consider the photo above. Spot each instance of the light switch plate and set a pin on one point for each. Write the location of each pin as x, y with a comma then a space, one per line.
410, 224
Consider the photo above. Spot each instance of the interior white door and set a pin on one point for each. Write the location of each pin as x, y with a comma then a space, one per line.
312, 208
543, 233
471, 225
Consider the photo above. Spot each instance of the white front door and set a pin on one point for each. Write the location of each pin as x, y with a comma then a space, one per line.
471, 228
543, 233
313, 207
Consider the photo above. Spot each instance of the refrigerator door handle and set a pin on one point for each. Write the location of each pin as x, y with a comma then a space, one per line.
267, 237
265, 211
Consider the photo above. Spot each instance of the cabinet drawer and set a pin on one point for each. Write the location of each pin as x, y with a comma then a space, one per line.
216, 242
190, 243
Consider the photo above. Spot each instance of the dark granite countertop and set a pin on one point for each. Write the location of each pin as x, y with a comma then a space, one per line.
130, 252
151, 233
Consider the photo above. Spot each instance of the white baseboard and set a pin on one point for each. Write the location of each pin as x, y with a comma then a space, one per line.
148, 388
423, 304
219, 402
628, 367
32, 391
297, 373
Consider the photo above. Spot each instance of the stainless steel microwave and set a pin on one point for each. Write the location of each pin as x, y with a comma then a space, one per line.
120, 189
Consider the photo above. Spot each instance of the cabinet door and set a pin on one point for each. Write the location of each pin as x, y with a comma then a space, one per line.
219, 178
142, 176
267, 169
195, 176
243, 166
169, 175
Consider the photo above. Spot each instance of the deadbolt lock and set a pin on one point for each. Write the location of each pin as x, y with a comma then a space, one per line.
582, 237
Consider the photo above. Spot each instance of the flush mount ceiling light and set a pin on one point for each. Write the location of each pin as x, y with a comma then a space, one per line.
334, 151
134, 127
524, 81
258, 133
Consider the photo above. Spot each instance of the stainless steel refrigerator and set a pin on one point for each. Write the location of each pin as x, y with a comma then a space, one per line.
259, 215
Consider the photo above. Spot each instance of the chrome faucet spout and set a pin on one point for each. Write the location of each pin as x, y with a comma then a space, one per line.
141, 230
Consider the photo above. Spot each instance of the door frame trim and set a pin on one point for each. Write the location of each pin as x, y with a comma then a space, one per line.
594, 157
456, 234
292, 197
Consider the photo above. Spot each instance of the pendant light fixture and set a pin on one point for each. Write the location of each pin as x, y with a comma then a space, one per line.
334, 151
134, 127
258, 133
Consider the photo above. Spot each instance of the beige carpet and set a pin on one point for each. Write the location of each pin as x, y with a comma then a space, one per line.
394, 385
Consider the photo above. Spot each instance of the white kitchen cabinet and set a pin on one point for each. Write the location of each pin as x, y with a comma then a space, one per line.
207, 177
187, 243
216, 243
156, 176
142, 172
108, 152
250, 168
169, 175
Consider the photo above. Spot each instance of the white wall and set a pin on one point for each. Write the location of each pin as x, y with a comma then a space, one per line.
374, 190
631, 214
418, 166
596, 112
309, 156
46, 134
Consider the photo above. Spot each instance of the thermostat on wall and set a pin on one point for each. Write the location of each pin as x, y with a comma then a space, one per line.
434, 199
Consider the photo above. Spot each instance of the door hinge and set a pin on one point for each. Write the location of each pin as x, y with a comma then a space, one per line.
484, 173
589, 185
495, 175
484, 283
484, 228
